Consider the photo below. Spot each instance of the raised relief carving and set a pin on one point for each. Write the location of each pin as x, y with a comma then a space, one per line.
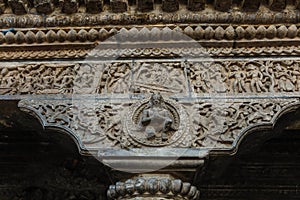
154, 187
155, 122
143, 78
219, 124
253, 77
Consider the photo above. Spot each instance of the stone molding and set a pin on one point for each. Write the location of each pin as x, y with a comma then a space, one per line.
62, 7
82, 53
55, 36
154, 187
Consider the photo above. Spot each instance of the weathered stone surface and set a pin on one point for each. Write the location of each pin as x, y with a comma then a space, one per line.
251, 5
43, 6
69, 6
119, 5
94, 6
196, 5
18, 7
277, 5
170, 5
223, 5
156, 185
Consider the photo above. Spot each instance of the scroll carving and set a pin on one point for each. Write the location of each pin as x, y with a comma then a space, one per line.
197, 124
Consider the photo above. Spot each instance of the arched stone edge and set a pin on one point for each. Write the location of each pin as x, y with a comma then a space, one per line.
255, 128
61, 129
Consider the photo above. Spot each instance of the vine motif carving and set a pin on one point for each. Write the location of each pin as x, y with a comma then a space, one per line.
104, 124
220, 124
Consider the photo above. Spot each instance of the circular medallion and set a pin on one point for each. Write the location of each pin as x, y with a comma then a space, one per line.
155, 122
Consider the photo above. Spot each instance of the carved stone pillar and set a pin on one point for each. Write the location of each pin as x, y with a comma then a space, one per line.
153, 187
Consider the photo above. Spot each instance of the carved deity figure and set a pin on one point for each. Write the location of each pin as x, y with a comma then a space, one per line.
238, 84
256, 77
156, 119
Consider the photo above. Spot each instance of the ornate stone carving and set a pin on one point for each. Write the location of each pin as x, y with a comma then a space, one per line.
245, 77
155, 187
220, 124
143, 77
150, 52
102, 124
156, 122
228, 77
199, 32
263, 16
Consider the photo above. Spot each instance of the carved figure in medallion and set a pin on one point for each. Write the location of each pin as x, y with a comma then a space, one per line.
156, 120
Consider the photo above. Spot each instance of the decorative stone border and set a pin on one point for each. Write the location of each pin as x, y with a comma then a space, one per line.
153, 187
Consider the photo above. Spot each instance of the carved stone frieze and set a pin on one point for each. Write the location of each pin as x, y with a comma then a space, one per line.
246, 77
230, 77
132, 123
153, 187
263, 16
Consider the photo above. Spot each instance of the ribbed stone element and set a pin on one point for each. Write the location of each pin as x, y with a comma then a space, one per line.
153, 187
